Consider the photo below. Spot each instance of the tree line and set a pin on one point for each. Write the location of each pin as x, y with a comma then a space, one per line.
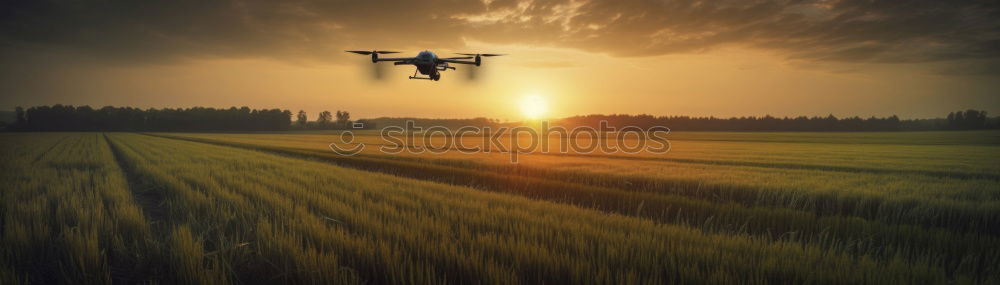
969, 120
961, 120
84, 118
341, 120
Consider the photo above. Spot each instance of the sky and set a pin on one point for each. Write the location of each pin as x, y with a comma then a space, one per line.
915, 59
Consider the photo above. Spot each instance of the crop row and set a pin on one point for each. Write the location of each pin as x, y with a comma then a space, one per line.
961, 253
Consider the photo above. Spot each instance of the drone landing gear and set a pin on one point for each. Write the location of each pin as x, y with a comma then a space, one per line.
434, 77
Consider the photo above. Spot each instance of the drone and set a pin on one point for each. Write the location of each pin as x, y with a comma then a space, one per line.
427, 62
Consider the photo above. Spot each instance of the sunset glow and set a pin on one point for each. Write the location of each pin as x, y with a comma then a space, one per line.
610, 57
534, 107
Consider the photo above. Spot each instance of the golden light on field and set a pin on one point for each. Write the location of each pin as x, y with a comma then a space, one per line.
534, 106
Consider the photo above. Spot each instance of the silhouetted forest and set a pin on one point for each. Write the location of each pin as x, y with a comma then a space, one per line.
961, 120
85, 118
330, 121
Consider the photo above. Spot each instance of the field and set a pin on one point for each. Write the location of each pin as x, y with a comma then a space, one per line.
282, 207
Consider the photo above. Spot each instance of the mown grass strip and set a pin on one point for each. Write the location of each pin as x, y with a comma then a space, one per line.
151, 200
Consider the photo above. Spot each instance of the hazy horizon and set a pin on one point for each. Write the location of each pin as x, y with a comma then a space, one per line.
313, 115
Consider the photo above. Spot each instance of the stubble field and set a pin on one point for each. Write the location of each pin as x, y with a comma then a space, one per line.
282, 207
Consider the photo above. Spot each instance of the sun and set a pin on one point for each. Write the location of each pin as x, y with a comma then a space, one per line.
534, 106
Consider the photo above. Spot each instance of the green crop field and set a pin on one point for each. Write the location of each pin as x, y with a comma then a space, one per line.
788, 208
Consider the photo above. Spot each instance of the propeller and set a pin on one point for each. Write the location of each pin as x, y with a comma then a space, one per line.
482, 54
373, 53
473, 73
365, 52
460, 57
378, 70
478, 56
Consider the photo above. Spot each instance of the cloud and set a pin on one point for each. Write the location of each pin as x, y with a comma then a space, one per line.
549, 64
824, 30
164, 30
871, 31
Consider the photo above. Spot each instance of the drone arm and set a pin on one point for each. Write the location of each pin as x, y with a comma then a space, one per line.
457, 61
403, 59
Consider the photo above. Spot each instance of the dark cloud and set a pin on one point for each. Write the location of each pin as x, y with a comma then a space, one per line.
844, 31
849, 30
164, 30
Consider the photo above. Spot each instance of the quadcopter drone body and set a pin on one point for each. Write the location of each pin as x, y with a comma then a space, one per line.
427, 62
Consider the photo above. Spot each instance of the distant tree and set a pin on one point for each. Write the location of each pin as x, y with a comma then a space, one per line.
975, 119
959, 120
324, 118
967, 120
285, 120
19, 119
343, 118
302, 119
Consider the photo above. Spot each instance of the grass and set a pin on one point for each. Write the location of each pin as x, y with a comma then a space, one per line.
956, 250
264, 208
67, 212
965, 203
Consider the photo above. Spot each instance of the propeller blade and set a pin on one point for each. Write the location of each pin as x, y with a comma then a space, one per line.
365, 52
460, 57
482, 54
